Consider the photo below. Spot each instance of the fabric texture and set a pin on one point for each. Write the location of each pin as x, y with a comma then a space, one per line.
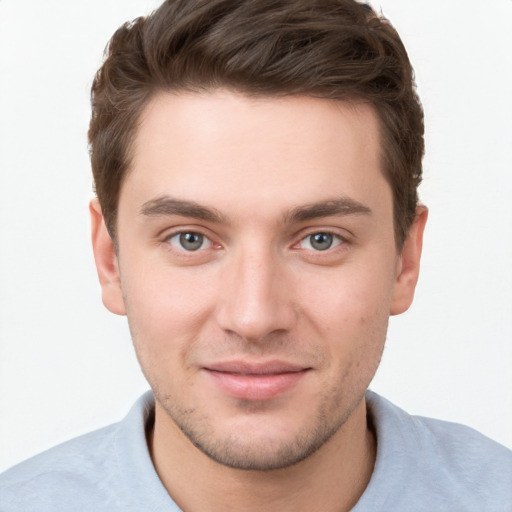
422, 465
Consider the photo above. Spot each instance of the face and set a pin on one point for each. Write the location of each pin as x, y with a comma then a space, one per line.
257, 266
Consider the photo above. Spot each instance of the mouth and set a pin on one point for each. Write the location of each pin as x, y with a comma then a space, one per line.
255, 381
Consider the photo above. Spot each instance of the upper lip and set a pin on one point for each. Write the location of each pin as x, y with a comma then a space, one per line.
255, 368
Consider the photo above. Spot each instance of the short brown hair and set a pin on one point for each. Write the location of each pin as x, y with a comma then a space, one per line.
335, 49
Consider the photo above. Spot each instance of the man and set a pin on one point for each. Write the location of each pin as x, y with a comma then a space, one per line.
256, 165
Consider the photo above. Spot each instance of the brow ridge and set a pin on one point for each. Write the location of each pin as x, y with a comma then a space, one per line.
168, 206
332, 207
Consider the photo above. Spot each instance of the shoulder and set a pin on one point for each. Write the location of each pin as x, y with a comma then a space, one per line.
442, 440
464, 458
445, 465
70, 472
97, 471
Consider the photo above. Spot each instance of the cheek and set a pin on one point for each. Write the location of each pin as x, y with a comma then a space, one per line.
162, 295
353, 300
351, 319
167, 310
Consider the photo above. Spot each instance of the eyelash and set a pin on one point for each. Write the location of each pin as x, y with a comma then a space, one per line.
180, 235
336, 240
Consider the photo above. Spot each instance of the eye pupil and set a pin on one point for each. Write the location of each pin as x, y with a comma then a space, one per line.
321, 241
191, 241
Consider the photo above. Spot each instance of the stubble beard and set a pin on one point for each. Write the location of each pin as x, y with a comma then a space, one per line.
242, 452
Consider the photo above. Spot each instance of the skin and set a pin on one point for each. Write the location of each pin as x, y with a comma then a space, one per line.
256, 179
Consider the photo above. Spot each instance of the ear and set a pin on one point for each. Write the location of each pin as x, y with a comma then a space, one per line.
409, 264
107, 263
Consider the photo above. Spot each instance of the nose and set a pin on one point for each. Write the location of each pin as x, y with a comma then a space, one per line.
257, 297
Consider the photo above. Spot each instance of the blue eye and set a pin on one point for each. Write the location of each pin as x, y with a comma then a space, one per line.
320, 241
190, 241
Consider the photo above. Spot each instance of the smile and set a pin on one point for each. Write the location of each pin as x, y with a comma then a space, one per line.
265, 381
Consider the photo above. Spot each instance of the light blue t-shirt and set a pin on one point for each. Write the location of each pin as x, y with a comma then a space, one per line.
422, 465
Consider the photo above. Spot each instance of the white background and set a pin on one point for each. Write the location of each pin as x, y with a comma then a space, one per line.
66, 364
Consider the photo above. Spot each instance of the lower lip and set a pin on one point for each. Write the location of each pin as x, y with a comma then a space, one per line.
256, 387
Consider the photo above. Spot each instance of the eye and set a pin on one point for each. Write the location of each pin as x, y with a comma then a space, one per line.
190, 241
320, 241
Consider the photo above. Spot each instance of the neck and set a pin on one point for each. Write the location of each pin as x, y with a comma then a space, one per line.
331, 479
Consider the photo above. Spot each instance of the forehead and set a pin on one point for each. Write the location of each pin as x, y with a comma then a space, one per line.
220, 147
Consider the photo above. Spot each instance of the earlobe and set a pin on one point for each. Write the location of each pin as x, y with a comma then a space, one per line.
107, 263
409, 264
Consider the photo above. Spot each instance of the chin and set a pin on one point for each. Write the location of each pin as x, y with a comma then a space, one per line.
259, 442
261, 454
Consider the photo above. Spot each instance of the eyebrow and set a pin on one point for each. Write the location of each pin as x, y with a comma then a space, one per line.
166, 206
333, 207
